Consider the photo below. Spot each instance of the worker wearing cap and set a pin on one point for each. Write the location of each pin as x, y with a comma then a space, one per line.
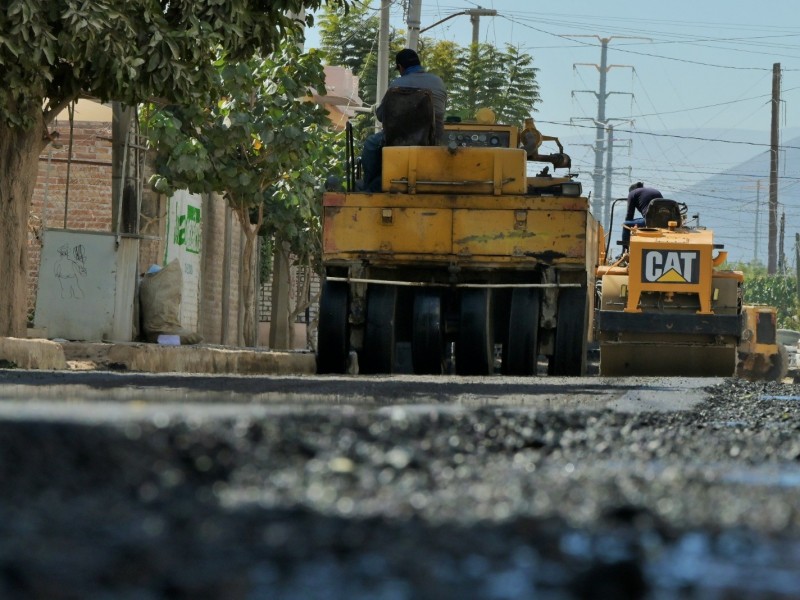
412, 75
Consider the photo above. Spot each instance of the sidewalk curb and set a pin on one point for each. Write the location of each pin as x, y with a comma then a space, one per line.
24, 353
43, 354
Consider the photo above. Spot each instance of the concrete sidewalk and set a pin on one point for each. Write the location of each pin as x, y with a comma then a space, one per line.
152, 358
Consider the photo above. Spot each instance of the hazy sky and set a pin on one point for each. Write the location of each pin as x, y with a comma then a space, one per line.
703, 71
704, 53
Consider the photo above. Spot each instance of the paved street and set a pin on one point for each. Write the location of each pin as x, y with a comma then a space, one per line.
153, 486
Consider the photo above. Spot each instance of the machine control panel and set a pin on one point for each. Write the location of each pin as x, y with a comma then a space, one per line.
497, 139
474, 135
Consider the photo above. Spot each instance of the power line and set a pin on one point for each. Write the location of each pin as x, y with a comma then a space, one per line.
670, 135
717, 105
651, 55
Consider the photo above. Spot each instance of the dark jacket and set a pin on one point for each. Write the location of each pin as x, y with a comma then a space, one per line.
417, 77
640, 199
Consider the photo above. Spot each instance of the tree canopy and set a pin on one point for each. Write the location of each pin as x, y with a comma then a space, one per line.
128, 51
504, 80
350, 39
55, 51
259, 142
476, 76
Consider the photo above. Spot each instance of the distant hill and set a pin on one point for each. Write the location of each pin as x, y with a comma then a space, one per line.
732, 201
718, 180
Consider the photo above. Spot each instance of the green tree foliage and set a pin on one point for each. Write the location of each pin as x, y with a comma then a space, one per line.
520, 88
54, 51
350, 39
442, 58
504, 81
293, 214
260, 143
476, 77
780, 291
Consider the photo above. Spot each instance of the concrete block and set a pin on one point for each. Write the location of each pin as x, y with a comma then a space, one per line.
155, 358
32, 354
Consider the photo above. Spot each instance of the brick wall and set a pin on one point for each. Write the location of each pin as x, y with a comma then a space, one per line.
89, 202
89, 208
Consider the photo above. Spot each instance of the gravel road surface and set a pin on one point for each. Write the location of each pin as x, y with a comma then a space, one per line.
398, 500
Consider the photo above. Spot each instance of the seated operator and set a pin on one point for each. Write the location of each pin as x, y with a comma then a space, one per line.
639, 198
412, 75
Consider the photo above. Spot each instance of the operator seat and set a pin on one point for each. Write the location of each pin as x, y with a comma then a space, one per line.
408, 117
661, 211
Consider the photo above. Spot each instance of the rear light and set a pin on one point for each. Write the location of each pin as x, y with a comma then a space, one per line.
573, 189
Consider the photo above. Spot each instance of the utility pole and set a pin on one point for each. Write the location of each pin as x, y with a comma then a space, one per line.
475, 15
773, 169
797, 261
382, 80
413, 22
601, 122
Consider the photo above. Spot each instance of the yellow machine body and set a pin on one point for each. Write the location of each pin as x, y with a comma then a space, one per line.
431, 169
673, 262
461, 242
667, 309
460, 229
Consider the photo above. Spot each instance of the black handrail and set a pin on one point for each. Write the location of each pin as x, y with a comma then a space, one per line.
350, 158
611, 223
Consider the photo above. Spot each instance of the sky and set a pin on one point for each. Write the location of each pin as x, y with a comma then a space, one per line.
690, 83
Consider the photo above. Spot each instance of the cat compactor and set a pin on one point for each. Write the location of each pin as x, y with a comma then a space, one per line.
462, 258
667, 308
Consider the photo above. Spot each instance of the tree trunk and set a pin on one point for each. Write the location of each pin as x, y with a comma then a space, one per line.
280, 330
247, 277
19, 165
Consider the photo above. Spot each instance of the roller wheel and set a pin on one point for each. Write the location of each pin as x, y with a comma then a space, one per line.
760, 367
427, 341
333, 331
501, 305
569, 352
475, 344
522, 350
779, 365
379, 331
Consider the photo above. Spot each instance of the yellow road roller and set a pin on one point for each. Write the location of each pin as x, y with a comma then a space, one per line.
465, 259
667, 307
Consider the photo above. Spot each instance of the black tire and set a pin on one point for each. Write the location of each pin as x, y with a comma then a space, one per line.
379, 330
779, 365
475, 344
427, 341
521, 355
569, 352
333, 333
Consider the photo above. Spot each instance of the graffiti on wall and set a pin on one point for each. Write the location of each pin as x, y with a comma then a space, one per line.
70, 269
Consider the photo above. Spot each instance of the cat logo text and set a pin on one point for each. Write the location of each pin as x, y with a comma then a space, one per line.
670, 266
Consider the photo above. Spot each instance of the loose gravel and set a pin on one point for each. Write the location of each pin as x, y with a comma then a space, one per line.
410, 502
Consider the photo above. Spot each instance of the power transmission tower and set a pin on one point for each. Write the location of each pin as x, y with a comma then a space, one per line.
609, 173
781, 255
603, 211
772, 257
757, 220
601, 196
